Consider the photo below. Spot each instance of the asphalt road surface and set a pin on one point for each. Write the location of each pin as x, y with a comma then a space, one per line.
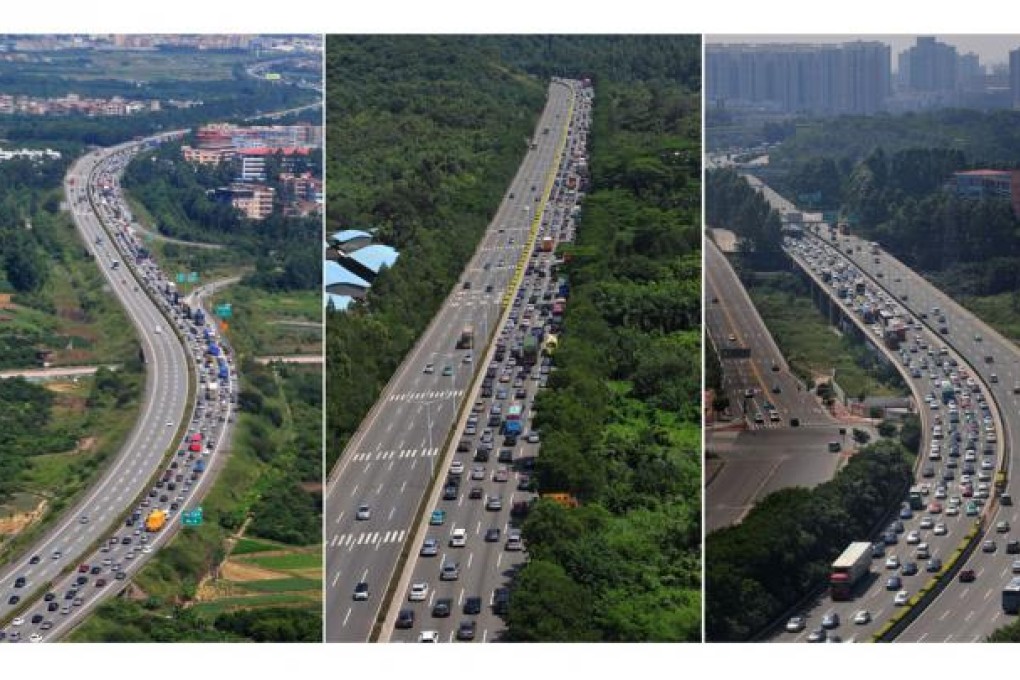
390, 460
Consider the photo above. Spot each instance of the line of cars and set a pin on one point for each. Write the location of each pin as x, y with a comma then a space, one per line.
122, 552
478, 501
960, 456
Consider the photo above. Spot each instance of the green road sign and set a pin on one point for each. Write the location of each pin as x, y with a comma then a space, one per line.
193, 277
192, 518
181, 277
225, 311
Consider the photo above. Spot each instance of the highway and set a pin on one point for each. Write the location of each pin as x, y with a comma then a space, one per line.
390, 461
770, 455
88, 535
964, 612
924, 361
488, 560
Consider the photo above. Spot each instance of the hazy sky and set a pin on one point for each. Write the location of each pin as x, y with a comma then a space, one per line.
990, 48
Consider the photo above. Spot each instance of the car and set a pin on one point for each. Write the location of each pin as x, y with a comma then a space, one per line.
450, 492
37, 619
923, 551
830, 621
513, 540
892, 562
501, 474
862, 617
988, 547
796, 624
458, 538
901, 598
447, 370
428, 636
360, 591
457, 468
1002, 527
476, 492
35, 637
364, 512
20, 582
940, 529
494, 503
934, 565
472, 605
968, 576
429, 368
442, 607
906, 512
18, 621
492, 535
419, 592
437, 518
83, 519
914, 537
818, 635
909, 569
466, 630
1013, 546
450, 571
14, 599
927, 522
533, 437
478, 473
893, 583
405, 619
35, 559
429, 547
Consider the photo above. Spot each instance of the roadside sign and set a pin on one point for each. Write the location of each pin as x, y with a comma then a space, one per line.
181, 277
192, 518
225, 310
193, 277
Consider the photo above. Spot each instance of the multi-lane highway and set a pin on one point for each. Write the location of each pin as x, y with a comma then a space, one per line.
100, 542
490, 465
378, 486
965, 611
959, 432
748, 464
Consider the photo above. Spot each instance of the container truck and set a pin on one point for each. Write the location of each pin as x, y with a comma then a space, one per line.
848, 569
1011, 597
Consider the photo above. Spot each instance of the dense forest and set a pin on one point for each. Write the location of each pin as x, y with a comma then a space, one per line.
732, 204
620, 420
783, 549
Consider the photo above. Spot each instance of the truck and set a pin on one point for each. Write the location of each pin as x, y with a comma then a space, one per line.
467, 338
155, 521
547, 244
948, 392
848, 569
1011, 596
199, 466
529, 351
224, 370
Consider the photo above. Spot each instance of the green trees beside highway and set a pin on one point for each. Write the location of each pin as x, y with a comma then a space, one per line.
782, 550
620, 420
732, 204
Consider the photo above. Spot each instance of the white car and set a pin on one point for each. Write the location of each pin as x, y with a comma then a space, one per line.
18, 620
862, 617
927, 522
913, 538
901, 598
428, 636
419, 592
940, 529
35, 637
892, 562
457, 468
458, 538
952, 511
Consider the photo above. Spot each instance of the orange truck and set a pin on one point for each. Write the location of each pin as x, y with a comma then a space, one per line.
155, 521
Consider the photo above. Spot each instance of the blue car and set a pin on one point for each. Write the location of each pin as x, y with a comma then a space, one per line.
894, 583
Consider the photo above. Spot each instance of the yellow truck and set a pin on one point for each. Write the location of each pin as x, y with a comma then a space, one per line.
155, 521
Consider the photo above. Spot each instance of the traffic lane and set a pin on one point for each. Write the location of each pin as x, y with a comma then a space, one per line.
140, 441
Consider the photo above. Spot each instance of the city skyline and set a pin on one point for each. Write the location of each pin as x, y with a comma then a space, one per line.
991, 49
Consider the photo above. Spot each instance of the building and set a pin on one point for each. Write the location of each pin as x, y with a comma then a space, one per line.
930, 66
848, 78
254, 200
253, 168
988, 184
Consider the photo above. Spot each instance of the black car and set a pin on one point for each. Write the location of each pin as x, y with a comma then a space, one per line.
37, 618
14, 599
20, 582
35, 559
1013, 546
442, 607
405, 619
472, 605
501, 600
49, 597
53, 606
492, 535
466, 630
476, 493
450, 492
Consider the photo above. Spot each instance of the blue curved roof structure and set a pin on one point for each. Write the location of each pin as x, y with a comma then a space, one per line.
375, 257
334, 275
348, 234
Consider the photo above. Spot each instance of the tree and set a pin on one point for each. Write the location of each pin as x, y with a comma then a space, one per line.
861, 436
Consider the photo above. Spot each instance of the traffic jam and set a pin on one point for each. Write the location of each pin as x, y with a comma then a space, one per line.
168, 501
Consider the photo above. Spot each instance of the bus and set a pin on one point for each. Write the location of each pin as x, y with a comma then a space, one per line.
1000, 481
1011, 597
916, 498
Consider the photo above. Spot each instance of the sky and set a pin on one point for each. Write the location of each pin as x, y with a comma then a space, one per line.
990, 48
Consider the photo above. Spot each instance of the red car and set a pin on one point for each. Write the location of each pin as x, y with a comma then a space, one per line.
967, 576
935, 507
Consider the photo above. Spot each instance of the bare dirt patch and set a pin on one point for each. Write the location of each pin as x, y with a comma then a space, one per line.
237, 571
12, 525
